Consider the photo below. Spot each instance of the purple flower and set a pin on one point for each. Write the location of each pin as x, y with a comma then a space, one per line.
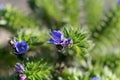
1, 6
21, 47
19, 68
58, 39
119, 2
22, 77
95, 78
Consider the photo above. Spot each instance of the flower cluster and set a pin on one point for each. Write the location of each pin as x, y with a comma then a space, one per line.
22, 47
59, 40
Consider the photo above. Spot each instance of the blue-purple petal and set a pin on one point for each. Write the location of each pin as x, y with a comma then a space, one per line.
52, 41
118, 2
66, 42
57, 35
95, 78
69, 40
21, 47
19, 68
1, 6
58, 39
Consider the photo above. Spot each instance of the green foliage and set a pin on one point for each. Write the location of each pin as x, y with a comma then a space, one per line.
94, 11
81, 44
57, 12
105, 34
70, 74
38, 70
15, 19
30, 36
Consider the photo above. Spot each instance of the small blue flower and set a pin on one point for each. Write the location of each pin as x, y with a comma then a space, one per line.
119, 2
1, 6
58, 39
19, 68
95, 78
21, 47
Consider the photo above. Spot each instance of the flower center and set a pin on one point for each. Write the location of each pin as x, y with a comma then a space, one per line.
22, 47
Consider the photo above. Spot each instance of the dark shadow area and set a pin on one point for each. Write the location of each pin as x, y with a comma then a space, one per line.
7, 62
